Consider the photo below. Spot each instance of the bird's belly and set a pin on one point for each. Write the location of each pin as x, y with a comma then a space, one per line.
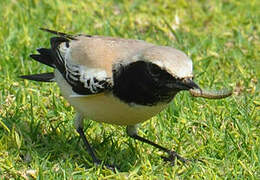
104, 107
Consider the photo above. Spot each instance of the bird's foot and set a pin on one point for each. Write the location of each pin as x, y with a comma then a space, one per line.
108, 166
173, 156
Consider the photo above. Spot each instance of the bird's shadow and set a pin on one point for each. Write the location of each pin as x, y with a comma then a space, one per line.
58, 146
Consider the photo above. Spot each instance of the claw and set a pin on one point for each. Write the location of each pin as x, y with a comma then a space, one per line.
110, 167
172, 158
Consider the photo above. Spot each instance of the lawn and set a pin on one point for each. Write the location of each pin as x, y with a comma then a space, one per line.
222, 37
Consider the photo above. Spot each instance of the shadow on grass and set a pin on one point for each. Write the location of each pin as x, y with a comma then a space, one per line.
65, 146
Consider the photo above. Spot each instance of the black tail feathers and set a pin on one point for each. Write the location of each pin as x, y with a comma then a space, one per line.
44, 77
44, 57
49, 57
60, 34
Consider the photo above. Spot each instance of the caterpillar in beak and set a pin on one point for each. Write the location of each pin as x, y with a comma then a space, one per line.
211, 94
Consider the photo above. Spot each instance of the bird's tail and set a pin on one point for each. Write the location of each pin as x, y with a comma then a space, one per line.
44, 77
44, 57
50, 57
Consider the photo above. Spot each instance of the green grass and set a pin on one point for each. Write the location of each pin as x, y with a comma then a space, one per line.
37, 137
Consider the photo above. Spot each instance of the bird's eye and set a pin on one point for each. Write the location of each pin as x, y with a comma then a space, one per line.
154, 70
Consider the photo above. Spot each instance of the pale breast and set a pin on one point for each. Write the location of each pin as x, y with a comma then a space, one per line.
106, 108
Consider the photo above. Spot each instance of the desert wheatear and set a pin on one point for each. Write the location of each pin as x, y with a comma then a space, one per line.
114, 80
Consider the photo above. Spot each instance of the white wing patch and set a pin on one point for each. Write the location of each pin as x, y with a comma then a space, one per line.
93, 76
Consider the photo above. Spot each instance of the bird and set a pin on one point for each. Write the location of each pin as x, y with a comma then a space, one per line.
114, 80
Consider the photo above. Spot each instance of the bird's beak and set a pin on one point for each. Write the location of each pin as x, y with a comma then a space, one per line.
184, 84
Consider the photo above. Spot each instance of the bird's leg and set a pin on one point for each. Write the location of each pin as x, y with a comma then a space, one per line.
78, 122
79, 127
132, 132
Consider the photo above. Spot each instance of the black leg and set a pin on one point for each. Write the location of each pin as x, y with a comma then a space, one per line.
90, 150
131, 131
87, 146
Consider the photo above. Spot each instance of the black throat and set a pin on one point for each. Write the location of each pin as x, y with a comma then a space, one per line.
134, 83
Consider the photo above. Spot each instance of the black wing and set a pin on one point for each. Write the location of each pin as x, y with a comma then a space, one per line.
84, 83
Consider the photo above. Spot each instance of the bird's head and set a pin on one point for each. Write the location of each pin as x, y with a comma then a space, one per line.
170, 68
154, 75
